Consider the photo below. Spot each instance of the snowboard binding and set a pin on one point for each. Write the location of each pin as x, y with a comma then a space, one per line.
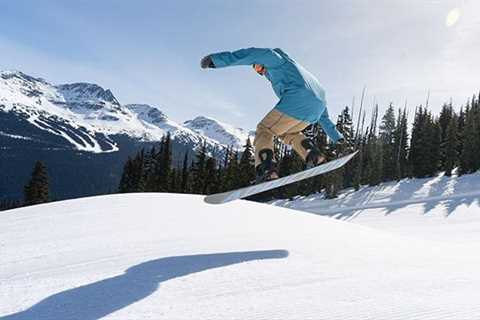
266, 170
314, 155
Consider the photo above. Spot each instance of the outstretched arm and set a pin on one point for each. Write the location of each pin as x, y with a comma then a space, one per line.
249, 56
329, 127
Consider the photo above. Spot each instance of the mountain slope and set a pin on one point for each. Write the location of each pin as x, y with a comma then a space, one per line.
220, 132
168, 256
85, 115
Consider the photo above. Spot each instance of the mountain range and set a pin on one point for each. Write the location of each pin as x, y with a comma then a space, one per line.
84, 135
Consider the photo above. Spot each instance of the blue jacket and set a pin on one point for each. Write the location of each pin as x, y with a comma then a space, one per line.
301, 96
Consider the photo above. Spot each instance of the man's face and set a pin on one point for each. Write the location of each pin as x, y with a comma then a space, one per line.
261, 70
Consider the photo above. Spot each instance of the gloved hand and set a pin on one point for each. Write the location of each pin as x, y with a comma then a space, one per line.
207, 62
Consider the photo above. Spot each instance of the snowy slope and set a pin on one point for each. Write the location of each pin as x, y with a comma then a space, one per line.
167, 256
424, 208
87, 116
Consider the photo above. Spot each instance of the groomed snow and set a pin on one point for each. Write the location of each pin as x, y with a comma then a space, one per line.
441, 208
169, 256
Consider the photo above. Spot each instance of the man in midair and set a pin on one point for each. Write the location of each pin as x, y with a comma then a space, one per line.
302, 103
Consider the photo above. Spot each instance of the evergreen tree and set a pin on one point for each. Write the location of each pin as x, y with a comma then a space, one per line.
451, 142
345, 175
387, 141
231, 173
469, 159
150, 165
126, 181
400, 145
133, 176
247, 165
444, 120
185, 181
37, 189
424, 153
139, 172
373, 158
165, 163
199, 170
211, 184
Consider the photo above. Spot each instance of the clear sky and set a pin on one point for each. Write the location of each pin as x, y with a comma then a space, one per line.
148, 51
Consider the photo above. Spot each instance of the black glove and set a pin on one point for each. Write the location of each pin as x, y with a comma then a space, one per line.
207, 62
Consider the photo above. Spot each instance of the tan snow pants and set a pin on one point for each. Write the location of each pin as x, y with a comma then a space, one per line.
286, 128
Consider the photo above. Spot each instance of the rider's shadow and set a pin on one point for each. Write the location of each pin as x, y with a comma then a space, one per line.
99, 299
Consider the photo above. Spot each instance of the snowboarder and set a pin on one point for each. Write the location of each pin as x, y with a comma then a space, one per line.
302, 103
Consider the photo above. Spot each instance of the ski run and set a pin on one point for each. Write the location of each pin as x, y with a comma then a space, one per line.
406, 250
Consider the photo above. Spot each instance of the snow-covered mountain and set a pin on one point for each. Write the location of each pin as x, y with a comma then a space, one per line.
220, 132
84, 133
172, 256
86, 116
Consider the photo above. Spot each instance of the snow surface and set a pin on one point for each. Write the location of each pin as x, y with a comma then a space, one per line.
440, 208
171, 256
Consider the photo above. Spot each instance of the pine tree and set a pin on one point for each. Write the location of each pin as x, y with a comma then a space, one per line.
346, 174
387, 141
373, 164
211, 184
126, 181
469, 159
400, 145
150, 164
247, 165
185, 177
424, 153
37, 189
139, 183
198, 170
164, 165
444, 120
451, 142
231, 173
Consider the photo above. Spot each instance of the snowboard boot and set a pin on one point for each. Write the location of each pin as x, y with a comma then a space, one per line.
266, 170
314, 155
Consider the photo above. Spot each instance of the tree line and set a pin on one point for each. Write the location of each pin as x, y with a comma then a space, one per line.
388, 151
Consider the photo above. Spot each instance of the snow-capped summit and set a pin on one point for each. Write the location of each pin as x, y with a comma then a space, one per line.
221, 132
83, 113
88, 95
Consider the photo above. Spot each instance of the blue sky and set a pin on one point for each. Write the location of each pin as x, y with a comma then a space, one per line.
149, 51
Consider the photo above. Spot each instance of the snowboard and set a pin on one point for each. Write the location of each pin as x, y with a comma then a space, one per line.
241, 193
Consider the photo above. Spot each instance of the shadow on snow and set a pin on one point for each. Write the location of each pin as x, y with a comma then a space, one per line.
447, 193
101, 298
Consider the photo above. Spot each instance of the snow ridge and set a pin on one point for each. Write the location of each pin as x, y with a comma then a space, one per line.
218, 131
79, 112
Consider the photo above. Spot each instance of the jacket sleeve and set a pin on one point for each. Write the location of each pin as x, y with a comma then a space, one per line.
249, 56
329, 127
